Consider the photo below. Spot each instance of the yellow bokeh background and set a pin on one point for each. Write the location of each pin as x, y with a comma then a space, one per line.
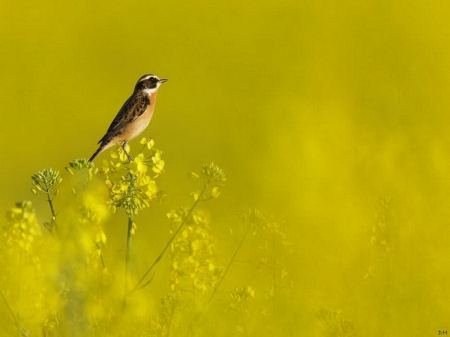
315, 110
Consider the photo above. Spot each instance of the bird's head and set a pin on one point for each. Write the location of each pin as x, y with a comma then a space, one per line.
149, 83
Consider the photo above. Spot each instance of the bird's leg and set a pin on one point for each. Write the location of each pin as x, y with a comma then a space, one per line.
124, 145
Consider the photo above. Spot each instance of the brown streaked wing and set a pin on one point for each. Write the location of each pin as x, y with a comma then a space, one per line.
132, 109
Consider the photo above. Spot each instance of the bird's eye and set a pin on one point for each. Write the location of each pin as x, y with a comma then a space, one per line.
150, 83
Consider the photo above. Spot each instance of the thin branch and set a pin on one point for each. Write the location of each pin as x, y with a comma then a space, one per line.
233, 258
127, 260
13, 317
275, 290
52, 209
139, 284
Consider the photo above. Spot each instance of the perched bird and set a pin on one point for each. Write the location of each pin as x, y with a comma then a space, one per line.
133, 117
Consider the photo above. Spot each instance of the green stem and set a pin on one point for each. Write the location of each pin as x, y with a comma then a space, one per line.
52, 209
15, 321
169, 323
233, 258
274, 275
140, 284
244, 321
101, 254
127, 259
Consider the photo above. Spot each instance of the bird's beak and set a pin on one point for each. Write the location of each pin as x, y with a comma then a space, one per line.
162, 80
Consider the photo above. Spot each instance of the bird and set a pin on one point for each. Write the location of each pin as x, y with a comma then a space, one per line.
134, 116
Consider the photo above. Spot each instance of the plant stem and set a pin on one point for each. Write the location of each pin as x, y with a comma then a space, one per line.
274, 275
15, 321
233, 258
52, 209
140, 284
127, 259
244, 321
101, 254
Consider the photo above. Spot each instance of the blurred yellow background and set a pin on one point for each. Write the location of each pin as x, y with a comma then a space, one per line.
317, 111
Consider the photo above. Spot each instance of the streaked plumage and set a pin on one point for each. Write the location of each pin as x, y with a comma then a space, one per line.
134, 116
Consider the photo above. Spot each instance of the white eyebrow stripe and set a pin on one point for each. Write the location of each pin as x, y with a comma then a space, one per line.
147, 77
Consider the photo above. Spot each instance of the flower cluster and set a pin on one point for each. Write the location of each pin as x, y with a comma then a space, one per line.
22, 228
241, 295
214, 174
238, 304
192, 252
44, 180
274, 248
334, 324
381, 230
22, 277
90, 212
132, 184
83, 169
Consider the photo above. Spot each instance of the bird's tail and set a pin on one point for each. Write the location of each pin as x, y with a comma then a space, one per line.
99, 150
